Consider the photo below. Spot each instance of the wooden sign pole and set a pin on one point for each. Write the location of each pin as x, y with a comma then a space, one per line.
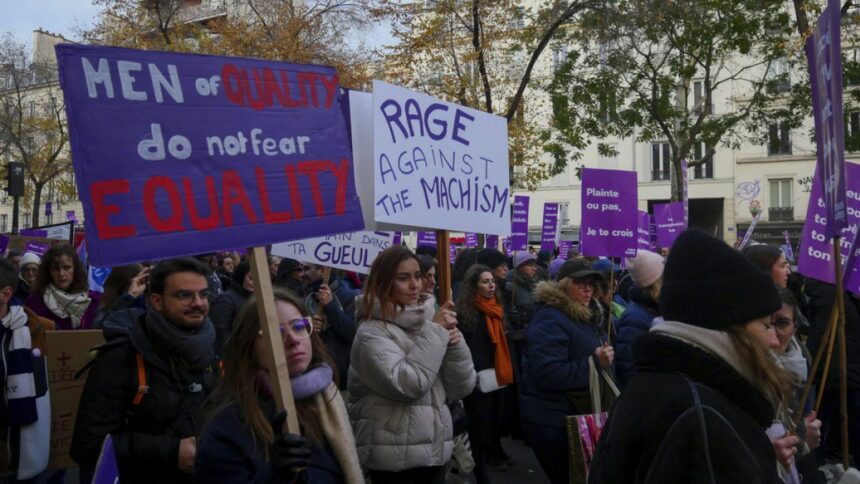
843, 361
443, 268
269, 324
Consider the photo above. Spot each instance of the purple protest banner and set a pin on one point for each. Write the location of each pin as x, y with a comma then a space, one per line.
643, 239
520, 224
609, 220
669, 219
824, 55
34, 233
36, 248
564, 249
426, 239
71, 217
179, 154
506, 245
398, 238
471, 239
549, 229
815, 255
491, 241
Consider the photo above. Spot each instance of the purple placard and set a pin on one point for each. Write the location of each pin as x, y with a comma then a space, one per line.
823, 52
506, 245
71, 217
564, 249
107, 471
520, 224
398, 238
815, 255
643, 233
452, 252
37, 248
609, 220
426, 239
549, 229
179, 154
491, 241
471, 239
669, 218
48, 209
34, 233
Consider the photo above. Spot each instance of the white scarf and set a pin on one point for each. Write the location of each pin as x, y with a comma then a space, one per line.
338, 432
717, 343
793, 360
67, 305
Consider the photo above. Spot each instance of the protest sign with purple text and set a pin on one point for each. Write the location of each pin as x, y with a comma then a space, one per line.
438, 165
643, 231
180, 154
564, 248
426, 239
669, 219
824, 55
519, 239
491, 241
471, 240
353, 251
815, 255
609, 213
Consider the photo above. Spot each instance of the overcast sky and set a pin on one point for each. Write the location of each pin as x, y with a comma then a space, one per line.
66, 17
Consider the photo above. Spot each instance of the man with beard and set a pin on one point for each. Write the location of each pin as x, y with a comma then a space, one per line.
147, 390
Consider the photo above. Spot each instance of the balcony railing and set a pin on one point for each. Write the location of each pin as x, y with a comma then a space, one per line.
780, 214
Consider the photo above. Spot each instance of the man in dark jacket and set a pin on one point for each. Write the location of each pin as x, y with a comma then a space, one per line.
147, 391
335, 325
227, 305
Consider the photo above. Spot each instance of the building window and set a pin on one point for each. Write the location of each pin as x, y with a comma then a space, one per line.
4, 223
778, 80
706, 169
25, 220
852, 131
563, 214
781, 206
518, 21
779, 139
699, 96
661, 161
559, 57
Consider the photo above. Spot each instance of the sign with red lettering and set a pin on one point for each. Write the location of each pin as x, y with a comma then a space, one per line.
438, 165
180, 154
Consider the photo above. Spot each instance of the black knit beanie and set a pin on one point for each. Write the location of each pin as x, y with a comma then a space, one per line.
708, 284
240, 272
491, 258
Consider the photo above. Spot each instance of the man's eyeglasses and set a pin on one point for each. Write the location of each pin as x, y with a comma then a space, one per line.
584, 285
188, 296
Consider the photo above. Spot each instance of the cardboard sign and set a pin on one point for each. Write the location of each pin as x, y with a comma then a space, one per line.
609, 213
180, 154
354, 251
66, 352
438, 165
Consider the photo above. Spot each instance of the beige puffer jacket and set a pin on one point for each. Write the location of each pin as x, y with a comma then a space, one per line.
400, 374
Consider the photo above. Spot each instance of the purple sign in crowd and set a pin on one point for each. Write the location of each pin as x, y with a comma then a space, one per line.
491, 241
520, 224
643, 234
609, 213
426, 239
669, 219
564, 249
471, 240
549, 229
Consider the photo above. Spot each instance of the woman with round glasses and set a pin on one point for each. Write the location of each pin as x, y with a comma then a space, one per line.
563, 337
405, 362
244, 439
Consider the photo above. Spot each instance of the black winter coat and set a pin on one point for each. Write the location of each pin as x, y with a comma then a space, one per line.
338, 331
685, 417
146, 436
223, 311
822, 298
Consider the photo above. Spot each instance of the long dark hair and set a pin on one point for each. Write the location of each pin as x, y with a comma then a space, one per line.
467, 313
762, 256
117, 283
50, 261
240, 382
380, 284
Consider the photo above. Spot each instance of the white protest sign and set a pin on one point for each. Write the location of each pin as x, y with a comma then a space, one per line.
353, 251
438, 165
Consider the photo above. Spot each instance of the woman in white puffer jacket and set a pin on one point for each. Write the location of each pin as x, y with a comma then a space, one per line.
405, 362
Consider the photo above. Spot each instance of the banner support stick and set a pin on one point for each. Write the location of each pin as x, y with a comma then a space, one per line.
807, 388
443, 268
279, 375
843, 361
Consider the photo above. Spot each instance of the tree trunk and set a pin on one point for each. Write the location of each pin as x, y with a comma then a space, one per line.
677, 177
37, 200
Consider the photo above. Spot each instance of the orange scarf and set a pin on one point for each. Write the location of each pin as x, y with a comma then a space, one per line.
493, 314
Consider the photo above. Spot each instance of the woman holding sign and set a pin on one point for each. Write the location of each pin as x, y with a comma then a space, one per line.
244, 440
406, 362
61, 293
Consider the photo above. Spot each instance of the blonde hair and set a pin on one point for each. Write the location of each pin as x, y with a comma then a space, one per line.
776, 383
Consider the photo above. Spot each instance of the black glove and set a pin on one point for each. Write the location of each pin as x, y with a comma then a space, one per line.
290, 452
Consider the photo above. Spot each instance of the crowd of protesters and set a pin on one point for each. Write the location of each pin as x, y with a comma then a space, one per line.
698, 356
